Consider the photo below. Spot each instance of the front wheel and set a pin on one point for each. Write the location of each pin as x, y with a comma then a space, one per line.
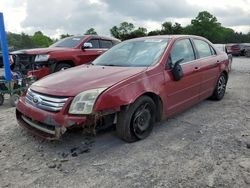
220, 88
62, 66
135, 122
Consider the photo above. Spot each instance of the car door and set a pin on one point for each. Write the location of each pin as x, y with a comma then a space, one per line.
105, 44
185, 92
91, 53
208, 66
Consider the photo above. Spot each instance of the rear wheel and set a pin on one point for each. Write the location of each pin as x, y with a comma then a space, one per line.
62, 66
135, 122
220, 88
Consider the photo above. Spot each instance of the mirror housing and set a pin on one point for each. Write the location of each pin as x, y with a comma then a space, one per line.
87, 45
177, 70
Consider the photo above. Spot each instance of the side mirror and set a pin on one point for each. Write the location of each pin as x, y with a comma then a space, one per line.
177, 70
87, 45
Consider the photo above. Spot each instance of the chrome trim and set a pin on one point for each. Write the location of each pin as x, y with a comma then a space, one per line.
48, 103
37, 126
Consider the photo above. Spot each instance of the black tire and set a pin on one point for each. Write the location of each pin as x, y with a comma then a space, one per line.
62, 66
1, 99
136, 121
14, 99
220, 88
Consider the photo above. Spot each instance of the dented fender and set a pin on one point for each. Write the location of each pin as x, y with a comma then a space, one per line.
127, 91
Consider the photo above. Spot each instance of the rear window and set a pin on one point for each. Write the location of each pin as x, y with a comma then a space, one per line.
203, 48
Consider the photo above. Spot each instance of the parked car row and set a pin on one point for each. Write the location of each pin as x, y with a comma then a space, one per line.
237, 49
133, 85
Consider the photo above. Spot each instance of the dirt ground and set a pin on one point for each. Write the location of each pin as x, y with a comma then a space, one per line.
205, 146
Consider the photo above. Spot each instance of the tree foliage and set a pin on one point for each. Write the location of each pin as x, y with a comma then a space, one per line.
62, 36
41, 40
127, 31
90, 31
19, 41
205, 24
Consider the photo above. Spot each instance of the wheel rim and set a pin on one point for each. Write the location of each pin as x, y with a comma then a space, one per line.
221, 85
142, 120
63, 68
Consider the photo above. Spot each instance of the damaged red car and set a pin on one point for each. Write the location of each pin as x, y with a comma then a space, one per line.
133, 85
65, 53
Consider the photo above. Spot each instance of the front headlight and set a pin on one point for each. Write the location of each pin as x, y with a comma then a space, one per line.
84, 102
42, 58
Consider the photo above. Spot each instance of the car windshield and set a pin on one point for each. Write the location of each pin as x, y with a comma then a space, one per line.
134, 53
69, 42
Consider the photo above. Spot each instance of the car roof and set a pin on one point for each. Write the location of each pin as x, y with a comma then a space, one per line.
96, 36
169, 37
102, 37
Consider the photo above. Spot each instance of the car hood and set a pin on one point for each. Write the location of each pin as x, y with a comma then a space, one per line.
81, 78
40, 50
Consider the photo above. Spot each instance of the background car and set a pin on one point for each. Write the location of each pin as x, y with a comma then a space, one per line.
223, 48
66, 53
133, 85
233, 49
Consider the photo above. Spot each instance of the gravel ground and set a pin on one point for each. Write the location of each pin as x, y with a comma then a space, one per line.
205, 146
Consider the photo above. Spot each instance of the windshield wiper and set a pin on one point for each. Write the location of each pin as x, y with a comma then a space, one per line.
112, 65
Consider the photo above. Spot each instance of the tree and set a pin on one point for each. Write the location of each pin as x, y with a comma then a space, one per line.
206, 25
177, 28
41, 40
19, 41
90, 31
155, 32
125, 28
123, 31
62, 36
140, 32
167, 28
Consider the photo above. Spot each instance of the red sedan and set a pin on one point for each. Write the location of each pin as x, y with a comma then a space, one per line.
135, 84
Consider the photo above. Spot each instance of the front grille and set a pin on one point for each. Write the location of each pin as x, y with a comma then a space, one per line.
40, 126
23, 62
25, 58
44, 102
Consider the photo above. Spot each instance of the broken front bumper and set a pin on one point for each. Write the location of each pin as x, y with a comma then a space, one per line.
49, 125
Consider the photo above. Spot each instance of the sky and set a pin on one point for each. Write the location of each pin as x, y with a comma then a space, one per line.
55, 17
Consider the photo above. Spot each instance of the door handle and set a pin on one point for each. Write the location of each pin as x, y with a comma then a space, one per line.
99, 51
196, 68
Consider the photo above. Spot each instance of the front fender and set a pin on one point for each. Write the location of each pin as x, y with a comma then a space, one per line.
128, 91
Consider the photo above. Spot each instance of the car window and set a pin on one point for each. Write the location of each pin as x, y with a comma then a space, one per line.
69, 42
220, 47
134, 53
182, 50
95, 43
106, 44
213, 51
203, 48
115, 42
